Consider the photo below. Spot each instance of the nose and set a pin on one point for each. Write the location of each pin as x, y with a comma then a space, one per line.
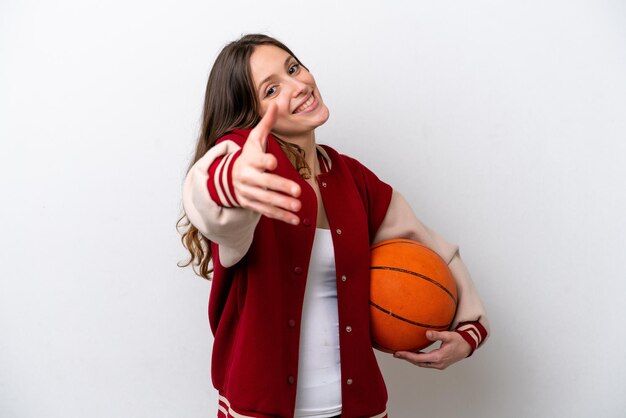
299, 88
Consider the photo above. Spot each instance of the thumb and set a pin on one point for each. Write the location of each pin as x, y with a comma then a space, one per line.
265, 125
434, 335
262, 141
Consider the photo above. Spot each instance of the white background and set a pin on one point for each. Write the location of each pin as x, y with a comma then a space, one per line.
502, 122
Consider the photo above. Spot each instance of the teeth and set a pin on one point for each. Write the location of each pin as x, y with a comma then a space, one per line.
305, 105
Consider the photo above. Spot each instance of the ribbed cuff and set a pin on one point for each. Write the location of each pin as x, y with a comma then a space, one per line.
473, 332
220, 182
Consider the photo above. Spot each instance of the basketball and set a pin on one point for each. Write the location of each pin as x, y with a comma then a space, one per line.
411, 291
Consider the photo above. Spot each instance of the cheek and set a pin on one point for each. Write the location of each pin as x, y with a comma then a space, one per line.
309, 79
262, 108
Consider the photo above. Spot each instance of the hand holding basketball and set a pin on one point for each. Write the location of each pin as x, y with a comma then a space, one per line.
269, 194
453, 348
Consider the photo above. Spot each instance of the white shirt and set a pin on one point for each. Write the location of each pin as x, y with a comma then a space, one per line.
319, 368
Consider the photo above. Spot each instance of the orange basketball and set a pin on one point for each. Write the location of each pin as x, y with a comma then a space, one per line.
411, 291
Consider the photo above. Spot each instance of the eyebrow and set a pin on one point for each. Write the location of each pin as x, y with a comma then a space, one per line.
266, 79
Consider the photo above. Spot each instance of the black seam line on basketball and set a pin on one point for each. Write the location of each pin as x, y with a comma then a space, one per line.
408, 320
406, 242
418, 275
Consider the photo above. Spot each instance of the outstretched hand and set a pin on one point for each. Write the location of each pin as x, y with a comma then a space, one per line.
453, 348
266, 193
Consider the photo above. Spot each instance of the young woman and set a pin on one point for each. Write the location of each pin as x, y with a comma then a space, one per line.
288, 224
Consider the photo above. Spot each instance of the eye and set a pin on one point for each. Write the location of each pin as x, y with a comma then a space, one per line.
294, 68
270, 91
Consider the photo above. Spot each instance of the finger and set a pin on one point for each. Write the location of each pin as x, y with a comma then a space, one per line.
270, 198
417, 357
270, 181
428, 365
425, 360
261, 160
280, 184
265, 125
414, 359
273, 212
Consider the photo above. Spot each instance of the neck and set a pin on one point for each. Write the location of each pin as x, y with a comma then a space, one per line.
307, 143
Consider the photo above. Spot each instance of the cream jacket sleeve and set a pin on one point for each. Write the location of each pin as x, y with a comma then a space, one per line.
222, 222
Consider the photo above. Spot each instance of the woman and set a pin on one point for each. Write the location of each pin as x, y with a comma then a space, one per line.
288, 224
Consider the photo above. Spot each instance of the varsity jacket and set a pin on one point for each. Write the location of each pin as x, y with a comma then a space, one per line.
260, 271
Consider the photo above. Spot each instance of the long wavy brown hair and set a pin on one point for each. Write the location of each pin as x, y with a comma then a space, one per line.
230, 102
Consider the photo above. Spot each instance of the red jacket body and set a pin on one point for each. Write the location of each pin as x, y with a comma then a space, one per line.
255, 306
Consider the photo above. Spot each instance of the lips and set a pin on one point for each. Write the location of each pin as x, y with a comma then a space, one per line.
307, 104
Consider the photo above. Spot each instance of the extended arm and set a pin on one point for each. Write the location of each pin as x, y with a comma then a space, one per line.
228, 189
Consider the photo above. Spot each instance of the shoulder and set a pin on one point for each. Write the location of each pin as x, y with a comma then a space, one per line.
358, 169
336, 157
365, 179
238, 136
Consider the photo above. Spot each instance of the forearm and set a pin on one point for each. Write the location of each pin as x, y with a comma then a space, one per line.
470, 320
220, 220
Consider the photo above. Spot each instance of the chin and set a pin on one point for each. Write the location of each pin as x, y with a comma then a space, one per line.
325, 115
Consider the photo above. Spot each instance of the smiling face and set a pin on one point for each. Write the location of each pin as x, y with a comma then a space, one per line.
279, 78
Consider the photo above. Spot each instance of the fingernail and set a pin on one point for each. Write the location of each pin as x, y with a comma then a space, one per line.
429, 334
